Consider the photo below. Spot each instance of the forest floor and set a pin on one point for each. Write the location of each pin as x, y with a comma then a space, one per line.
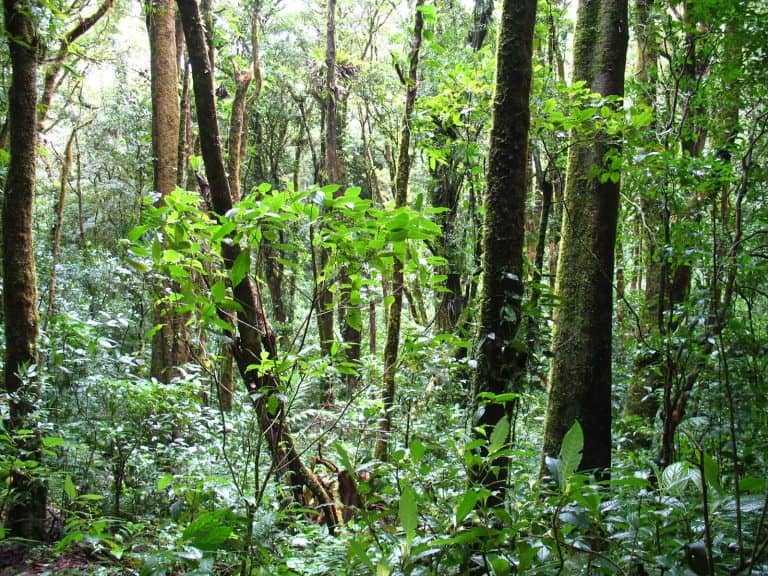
17, 559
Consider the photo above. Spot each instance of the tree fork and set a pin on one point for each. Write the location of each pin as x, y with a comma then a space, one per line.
253, 328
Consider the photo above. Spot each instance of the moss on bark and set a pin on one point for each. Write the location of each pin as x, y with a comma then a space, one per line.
500, 353
580, 376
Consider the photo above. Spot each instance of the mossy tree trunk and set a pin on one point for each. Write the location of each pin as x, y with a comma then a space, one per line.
254, 331
500, 353
25, 513
580, 379
398, 278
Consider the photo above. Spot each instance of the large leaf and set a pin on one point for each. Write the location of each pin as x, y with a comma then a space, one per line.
466, 505
240, 267
712, 474
211, 530
570, 453
500, 435
677, 476
408, 512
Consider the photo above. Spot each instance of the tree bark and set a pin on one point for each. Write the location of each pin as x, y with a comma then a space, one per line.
398, 281
169, 342
25, 515
254, 331
580, 379
500, 353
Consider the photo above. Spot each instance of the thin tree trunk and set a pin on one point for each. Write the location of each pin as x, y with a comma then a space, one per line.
25, 515
185, 123
545, 186
254, 331
641, 397
398, 281
79, 192
66, 168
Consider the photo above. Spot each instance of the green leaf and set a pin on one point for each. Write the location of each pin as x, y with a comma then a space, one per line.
417, 450
344, 458
137, 232
712, 473
69, 488
359, 550
466, 505
500, 565
677, 476
500, 435
571, 452
264, 187
408, 512
137, 265
240, 267
218, 291
428, 11
753, 485
330, 188
211, 530
52, 441
164, 482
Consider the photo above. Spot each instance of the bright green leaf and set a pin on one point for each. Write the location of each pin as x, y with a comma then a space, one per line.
571, 452
240, 268
69, 488
408, 512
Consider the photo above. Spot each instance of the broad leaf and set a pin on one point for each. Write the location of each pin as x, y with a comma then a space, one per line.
408, 512
571, 452
500, 435
240, 268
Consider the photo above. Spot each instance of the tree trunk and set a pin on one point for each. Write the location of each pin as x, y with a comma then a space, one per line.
25, 515
580, 379
546, 188
66, 168
482, 12
169, 342
254, 331
641, 397
500, 353
398, 282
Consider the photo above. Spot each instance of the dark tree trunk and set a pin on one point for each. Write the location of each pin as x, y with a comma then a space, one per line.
482, 13
546, 188
255, 333
25, 514
500, 355
580, 380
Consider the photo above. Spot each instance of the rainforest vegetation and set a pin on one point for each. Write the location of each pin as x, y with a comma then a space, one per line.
431, 287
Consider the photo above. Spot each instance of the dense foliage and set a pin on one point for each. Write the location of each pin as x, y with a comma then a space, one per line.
157, 476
